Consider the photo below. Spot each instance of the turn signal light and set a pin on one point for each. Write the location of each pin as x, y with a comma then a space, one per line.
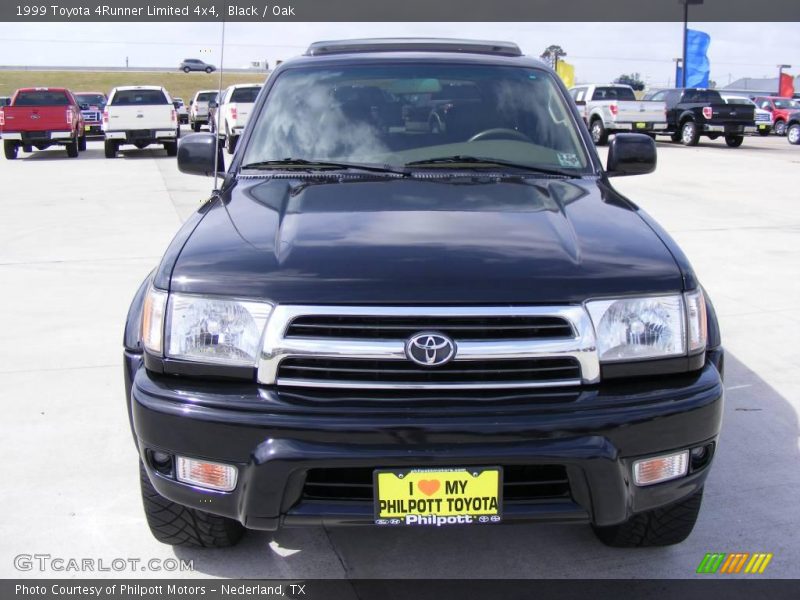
210, 475
660, 468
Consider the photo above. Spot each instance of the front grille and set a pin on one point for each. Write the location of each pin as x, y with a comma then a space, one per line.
522, 484
761, 118
91, 116
366, 347
515, 372
402, 327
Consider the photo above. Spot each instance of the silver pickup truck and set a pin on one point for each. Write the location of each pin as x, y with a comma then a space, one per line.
610, 108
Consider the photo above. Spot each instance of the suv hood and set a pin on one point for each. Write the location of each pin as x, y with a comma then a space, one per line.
415, 241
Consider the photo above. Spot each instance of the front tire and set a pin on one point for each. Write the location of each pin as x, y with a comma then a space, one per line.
177, 525
110, 147
599, 133
734, 141
171, 148
793, 134
196, 126
660, 527
10, 149
82, 143
780, 127
209, 70
186, 69
689, 134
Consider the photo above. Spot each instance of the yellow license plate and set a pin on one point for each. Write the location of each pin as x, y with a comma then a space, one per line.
87, 127
641, 125
438, 496
762, 126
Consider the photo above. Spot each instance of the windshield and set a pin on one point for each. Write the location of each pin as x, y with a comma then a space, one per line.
744, 101
709, 96
206, 96
41, 98
397, 114
787, 104
90, 98
247, 94
139, 97
613, 93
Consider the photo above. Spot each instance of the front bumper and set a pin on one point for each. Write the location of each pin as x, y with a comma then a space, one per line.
93, 129
274, 440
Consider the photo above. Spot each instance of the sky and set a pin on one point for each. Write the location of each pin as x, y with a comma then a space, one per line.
599, 51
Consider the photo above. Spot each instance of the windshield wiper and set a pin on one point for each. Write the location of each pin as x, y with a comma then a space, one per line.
489, 162
321, 164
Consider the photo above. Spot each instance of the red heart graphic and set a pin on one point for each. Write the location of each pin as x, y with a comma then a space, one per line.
429, 486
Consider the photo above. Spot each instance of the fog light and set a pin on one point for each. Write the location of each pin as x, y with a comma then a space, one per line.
214, 476
660, 468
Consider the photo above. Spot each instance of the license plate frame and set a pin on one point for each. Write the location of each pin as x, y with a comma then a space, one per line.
439, 498
640, 125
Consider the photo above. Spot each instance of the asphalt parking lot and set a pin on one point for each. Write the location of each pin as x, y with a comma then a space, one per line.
77, 236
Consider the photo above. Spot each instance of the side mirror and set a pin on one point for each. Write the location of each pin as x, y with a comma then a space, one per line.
176, 104
198, 153
190, 102
213, 104
84, 106
631, 154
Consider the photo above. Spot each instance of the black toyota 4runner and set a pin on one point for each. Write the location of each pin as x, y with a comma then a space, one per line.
374, 322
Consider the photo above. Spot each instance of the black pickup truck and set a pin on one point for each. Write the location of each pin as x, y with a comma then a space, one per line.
372, 324
695, 112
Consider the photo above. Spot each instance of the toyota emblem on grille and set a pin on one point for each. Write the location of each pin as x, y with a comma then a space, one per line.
430, 349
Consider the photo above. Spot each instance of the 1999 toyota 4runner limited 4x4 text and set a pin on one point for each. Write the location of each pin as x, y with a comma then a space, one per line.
376, 321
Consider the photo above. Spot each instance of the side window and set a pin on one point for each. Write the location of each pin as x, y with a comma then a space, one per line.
766, 104
581, 95
659, 96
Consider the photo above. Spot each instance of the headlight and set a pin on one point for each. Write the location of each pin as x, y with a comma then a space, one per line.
650, 327
215, 330
202, 328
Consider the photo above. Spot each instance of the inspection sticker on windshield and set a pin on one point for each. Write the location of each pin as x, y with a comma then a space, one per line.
567, 159
436, 497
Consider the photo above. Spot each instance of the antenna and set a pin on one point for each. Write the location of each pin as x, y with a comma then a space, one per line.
216, 113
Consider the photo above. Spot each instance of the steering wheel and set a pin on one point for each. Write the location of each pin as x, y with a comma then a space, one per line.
499, 133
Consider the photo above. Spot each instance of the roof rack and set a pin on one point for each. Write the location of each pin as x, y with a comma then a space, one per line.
413, 45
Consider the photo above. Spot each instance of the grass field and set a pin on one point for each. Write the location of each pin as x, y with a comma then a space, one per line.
181, 85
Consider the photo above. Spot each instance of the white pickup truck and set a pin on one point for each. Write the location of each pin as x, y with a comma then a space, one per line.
140, 115
611, 107
198, 108
230, 116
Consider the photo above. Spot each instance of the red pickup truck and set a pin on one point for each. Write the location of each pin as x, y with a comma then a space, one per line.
780, 108
42, 117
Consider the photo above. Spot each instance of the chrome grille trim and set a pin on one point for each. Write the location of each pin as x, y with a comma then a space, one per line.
276, 347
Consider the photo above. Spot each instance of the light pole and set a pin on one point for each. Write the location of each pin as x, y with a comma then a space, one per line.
780, 75
686, 4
